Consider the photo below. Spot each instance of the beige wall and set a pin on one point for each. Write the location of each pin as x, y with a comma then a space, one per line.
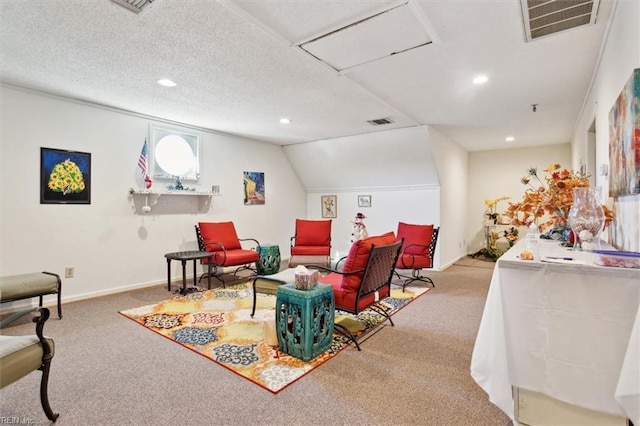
494, 174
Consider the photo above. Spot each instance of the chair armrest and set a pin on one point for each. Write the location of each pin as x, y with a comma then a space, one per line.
291, 241
424, 246
251, 239
335, 271
44, 316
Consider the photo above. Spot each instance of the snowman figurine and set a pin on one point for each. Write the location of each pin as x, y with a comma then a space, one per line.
359, 231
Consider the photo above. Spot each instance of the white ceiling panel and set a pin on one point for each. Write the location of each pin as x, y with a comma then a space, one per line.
239, 69
382, 35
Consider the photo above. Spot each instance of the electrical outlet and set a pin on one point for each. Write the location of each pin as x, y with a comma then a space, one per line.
69, 271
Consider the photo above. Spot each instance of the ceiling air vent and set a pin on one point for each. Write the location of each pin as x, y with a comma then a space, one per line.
546, 17
380, 121
135, 6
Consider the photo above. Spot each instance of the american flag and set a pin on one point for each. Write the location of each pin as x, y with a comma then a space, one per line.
143, 164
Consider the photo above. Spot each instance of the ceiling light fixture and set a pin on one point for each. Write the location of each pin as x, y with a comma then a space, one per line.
481, 79
166, 82
509, 139
285, 120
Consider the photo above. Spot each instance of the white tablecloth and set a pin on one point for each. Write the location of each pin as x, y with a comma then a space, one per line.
570, 331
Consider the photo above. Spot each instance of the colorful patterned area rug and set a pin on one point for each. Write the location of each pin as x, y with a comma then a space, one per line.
218, 325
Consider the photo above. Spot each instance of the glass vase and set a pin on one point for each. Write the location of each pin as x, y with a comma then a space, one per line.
586, 218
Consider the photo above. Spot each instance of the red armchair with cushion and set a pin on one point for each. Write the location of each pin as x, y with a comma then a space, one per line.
311, 243
365, 278
221, 239
417, 251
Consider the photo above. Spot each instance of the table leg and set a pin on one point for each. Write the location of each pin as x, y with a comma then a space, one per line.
194, 272
184, 277
169, 274
209, 273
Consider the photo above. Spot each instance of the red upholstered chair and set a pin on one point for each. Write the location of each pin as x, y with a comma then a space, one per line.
365, 278
311, 243
417, 251
221, 239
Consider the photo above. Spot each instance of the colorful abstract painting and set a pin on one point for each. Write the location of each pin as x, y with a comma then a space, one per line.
253, 188
624, 140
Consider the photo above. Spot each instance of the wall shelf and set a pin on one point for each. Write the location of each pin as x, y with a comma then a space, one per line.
151, 197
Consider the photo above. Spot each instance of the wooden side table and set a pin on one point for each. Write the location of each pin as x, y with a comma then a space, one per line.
184, 257
304, 320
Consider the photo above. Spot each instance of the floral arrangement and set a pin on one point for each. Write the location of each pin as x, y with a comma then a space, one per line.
492, 251
66, 177
551, 198
491, 207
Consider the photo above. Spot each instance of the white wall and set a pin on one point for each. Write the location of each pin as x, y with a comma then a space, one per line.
620, 56
388, 207
396, 167
452, 163
111, 246
493, 174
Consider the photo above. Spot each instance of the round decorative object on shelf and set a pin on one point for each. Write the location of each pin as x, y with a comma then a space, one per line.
269, 262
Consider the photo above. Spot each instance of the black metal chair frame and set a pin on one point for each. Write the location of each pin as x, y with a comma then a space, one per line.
45, 367
377, 274
416, 273
218, 270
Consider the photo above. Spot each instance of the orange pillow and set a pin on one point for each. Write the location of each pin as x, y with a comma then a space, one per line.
313, 232
358, 256
415, 234
219, 232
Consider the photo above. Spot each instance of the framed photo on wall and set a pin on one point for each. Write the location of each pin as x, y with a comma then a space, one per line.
364, 200
329, 206
65, 177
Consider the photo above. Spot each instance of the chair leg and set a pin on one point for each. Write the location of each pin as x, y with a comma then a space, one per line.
346, 333
44, 385
253, 310
415, 276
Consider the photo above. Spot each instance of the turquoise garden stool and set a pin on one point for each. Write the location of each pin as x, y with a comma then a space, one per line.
269, 262
304, 320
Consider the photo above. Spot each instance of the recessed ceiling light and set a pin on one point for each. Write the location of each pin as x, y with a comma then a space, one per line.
166, 82
285, 120
509, 139
481, 79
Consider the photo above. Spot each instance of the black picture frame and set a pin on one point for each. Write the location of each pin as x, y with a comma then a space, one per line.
65, 176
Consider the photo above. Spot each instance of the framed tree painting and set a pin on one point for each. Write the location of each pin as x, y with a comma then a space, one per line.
65, 177
329, 206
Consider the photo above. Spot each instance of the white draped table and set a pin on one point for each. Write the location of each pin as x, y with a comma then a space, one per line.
569, 330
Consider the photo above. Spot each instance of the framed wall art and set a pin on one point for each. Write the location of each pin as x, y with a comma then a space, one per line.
624, 140
253, 188
364, 200
329, 206
65, 177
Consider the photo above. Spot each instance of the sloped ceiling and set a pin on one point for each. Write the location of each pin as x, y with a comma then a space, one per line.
240, 67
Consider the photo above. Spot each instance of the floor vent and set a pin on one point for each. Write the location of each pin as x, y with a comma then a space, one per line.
135, 6
380, 121
546, 17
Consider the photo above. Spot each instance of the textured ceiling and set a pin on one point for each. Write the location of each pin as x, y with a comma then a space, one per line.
239, 68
